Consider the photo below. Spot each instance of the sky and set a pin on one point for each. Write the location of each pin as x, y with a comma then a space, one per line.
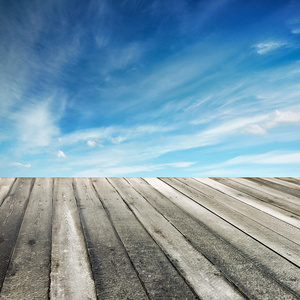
207, 88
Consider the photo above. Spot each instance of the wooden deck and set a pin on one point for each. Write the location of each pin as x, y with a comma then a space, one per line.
149, 238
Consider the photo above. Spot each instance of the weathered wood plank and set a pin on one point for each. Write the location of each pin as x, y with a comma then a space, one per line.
280, 185
207, 281
11, 215
28, 275
159, 277
228, 197
114, 275
266, 236
250, 279
5, 186
71, 277
261, 195
284, 197
289, 179
268, 208
275, 265
282, 188
289, 184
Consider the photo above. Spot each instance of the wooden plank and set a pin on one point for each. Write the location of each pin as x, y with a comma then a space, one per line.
230, 198
289, 179
266, 236
71, 277
114, 275
223, 186
291, 185
207, 281
278, 267
159, 277
5, 186
250, 279
282, 188
28, 275
261, 195
11, 215
284, 197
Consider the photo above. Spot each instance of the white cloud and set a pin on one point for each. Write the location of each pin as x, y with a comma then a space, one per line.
263, 48
277, 118
124, 170
21, 165
294, 25
255, 129
91, 143
61, 154
113, 134
35, 125
283, 118
269, 158
183, 164
115, 141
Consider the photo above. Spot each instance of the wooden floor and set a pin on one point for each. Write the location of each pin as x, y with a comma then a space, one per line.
149, 238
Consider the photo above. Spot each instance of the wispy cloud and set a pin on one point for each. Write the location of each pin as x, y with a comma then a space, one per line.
265, 47
91, 143
277, 118
35, 125
21, 165
255, 129
269, 158
114, 134
125, 170
61, 154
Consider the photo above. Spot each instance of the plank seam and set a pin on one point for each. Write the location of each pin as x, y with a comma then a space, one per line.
9, 191
118, 237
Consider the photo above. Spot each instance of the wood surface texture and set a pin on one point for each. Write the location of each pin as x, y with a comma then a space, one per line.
149, 238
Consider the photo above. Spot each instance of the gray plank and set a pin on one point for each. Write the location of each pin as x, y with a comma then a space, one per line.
277, 186
71, 276
159, 277
202, 275
292, 185
212, 200
275, 265
224, 186
290, 179
230, 198
265, 188
249, 278
5, 186
260, 194
28, 275
11, 215
114, 275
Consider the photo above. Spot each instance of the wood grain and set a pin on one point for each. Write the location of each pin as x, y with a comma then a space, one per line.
71, 276
28, 275
11, 216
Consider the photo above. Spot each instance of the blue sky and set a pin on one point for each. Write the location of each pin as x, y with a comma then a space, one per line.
149, 88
